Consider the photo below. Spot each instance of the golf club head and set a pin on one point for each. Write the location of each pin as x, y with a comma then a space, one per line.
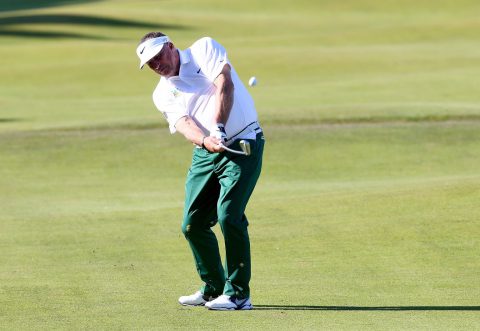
245, 146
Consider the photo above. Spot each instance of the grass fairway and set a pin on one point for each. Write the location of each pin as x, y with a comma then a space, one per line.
369, 216
366, 216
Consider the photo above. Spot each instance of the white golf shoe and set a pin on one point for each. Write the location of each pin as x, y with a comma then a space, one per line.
226, 302
196, 299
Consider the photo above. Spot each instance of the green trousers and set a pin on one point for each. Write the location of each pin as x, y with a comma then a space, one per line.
218, 188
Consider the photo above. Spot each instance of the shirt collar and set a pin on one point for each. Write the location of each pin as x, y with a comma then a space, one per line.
184, 57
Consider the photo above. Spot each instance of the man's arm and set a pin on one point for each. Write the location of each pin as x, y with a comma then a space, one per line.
223, 106
193, 133
223, 95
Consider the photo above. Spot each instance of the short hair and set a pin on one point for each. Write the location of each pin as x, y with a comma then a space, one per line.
151, 35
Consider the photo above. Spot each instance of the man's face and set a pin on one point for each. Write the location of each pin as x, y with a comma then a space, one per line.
165, 63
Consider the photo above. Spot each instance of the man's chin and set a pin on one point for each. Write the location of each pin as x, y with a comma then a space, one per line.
165, 74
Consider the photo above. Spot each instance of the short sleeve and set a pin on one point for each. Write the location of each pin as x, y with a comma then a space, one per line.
210, 56
170, 102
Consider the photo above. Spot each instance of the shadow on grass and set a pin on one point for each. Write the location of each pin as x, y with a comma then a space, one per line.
8, 23
75, 20
11, 25
360, 308
12, 5
45, 34
9, 120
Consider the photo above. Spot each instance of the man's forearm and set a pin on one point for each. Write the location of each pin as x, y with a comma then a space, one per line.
193, 133
223, 96
190, 130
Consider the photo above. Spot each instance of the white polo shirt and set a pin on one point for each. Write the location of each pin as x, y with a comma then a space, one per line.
192, 92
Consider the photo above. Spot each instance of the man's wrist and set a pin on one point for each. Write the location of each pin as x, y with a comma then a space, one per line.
203, 142
221, 128
219, 132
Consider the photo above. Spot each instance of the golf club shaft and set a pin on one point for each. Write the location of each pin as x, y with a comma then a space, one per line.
232, 150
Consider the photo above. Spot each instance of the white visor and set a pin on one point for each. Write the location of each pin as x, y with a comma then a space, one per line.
149, 48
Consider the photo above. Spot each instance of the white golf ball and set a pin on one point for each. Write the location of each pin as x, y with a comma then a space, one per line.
252, 81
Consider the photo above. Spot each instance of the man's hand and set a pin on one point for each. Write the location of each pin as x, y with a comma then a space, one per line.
212, 144
193, 133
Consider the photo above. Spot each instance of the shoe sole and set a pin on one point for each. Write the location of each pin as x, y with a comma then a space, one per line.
193, 305
246, 308
242, 308
222, 309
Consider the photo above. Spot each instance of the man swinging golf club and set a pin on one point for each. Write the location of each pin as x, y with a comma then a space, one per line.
202, 97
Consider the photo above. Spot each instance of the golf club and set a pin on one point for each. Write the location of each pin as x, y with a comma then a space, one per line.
244, 145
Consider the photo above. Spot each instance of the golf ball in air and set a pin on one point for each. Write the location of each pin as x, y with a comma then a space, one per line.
252, 81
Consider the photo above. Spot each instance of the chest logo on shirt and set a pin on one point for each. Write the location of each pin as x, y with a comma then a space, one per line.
175, 92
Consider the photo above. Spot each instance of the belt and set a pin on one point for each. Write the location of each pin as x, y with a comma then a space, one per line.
252, 127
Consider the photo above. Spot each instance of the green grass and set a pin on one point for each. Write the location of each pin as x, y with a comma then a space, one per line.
366, 214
